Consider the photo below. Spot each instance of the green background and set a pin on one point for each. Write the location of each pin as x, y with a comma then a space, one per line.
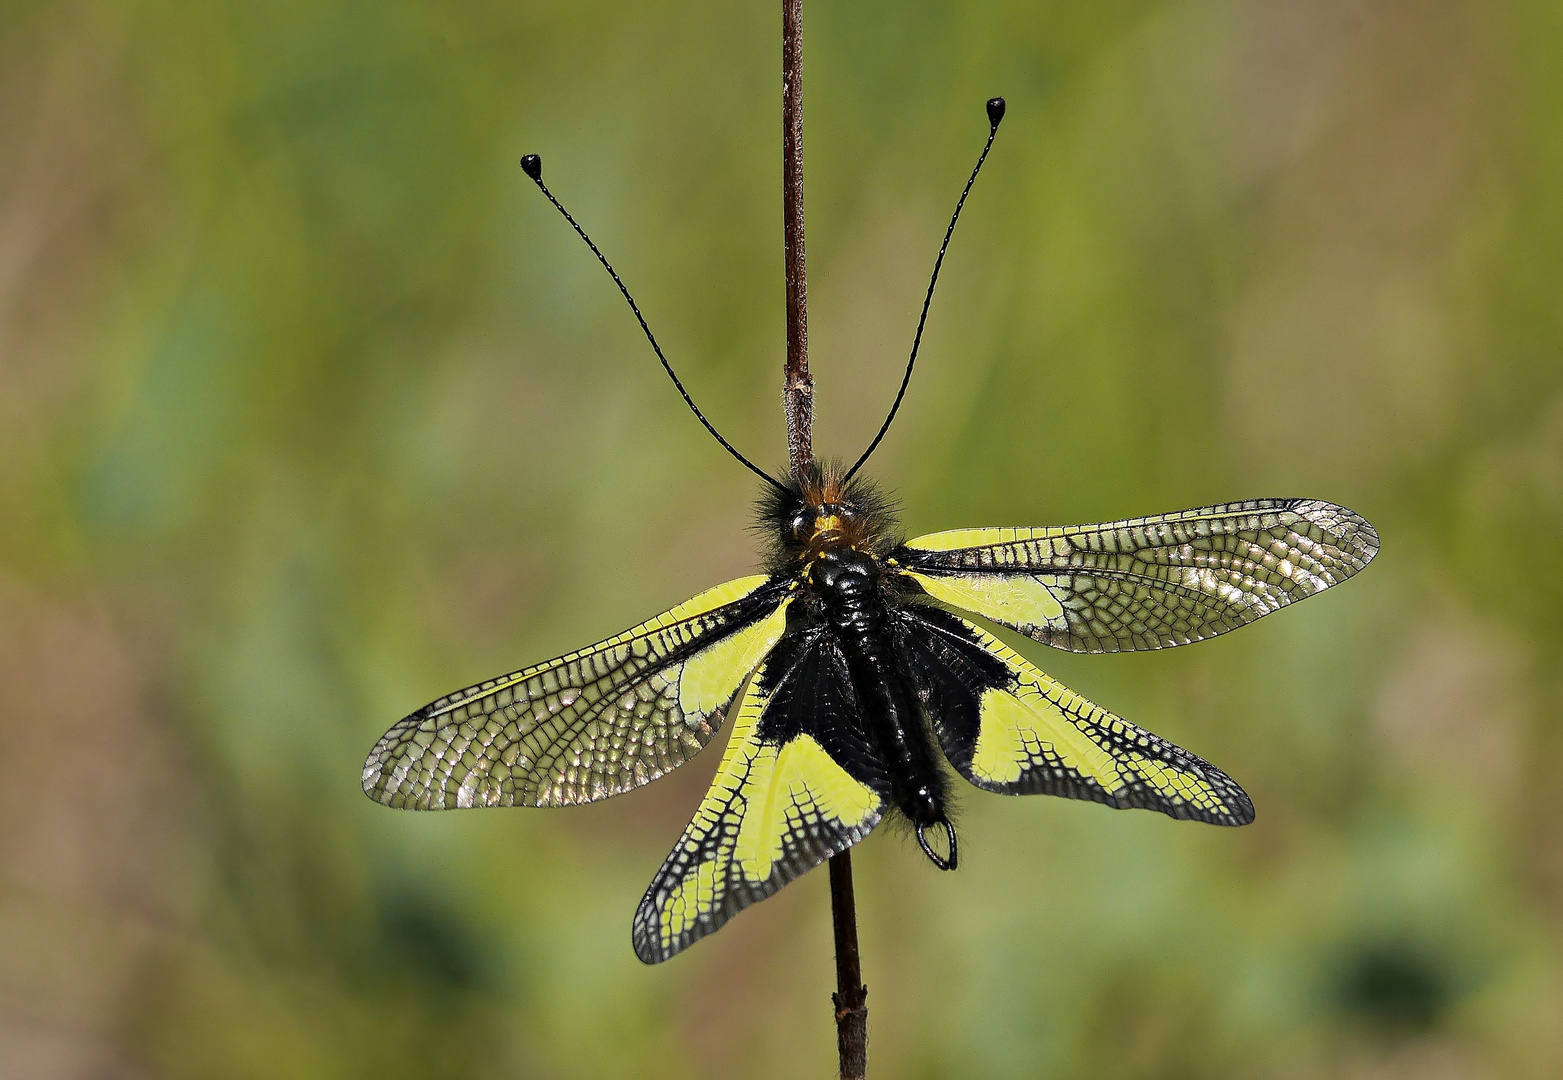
311, 410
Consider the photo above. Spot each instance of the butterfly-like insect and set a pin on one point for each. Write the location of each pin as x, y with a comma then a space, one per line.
850, 676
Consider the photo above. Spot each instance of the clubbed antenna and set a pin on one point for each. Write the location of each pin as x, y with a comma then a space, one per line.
532, 165
995, 109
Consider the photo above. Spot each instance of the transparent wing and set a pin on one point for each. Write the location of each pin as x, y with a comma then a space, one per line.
1007, 727
588, 725
797, 785
1144, 583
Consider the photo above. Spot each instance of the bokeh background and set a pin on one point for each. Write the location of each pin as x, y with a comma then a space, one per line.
311, 410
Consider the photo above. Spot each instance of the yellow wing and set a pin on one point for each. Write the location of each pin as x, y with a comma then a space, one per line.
1144, 583
588, 725
1007, 727
796, 786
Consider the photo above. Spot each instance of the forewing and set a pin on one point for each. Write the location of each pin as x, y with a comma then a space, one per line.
588, 725
1009, 728
797, 785
1144, 583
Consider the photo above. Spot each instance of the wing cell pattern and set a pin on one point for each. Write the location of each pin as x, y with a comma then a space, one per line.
1144, 583
590, 724
776, 809
1008, 728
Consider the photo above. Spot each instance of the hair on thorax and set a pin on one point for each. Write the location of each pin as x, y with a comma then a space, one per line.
785, 516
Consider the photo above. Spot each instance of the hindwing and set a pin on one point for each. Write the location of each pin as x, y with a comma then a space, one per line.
797, 784
590, 724
1144, 583
1007, 727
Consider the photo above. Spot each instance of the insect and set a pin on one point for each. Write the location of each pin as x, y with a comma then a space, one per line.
852, 676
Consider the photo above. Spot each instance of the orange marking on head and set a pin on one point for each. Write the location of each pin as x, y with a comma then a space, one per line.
824, 488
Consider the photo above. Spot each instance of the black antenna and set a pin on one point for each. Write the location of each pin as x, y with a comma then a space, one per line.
995, 108
532, 165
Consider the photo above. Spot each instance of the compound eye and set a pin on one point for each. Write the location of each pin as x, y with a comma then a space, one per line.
802, 523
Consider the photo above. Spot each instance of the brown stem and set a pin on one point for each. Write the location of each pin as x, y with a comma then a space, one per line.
798, 396
851, 996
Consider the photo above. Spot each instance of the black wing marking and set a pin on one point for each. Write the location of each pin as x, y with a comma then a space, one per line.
1144, 583
797, 784
1007, 727
590, 724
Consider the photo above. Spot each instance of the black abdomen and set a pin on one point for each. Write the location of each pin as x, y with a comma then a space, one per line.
847, 585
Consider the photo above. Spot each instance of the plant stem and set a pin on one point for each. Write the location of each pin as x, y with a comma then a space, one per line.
798, 395
851, 995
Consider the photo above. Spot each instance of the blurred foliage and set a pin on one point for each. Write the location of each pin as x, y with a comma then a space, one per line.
312, 410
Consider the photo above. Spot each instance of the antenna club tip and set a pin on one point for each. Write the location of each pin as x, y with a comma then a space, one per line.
995, 111
532, 165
